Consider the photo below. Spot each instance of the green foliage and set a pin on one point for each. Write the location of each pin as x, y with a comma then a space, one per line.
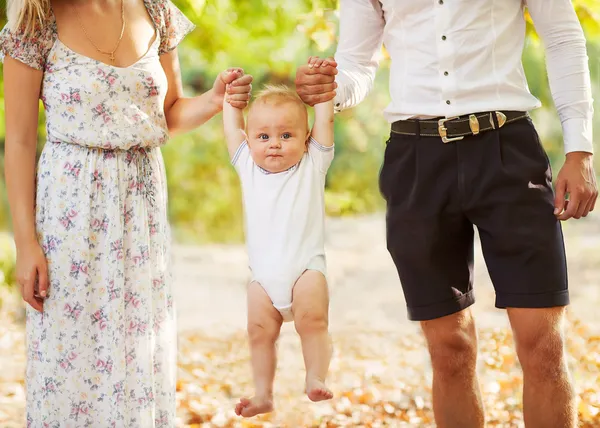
7, 265
269, 40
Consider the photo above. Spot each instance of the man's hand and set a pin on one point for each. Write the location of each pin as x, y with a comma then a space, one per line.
578, 179
316, 84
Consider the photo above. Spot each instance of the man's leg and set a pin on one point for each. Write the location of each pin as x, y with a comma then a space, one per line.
452, 342
510, 199
431, 243
548, 396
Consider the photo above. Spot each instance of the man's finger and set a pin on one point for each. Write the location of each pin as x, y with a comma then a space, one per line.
318, 89
587, 207
559, 197
587, 200
305, 70
571, 208
317, 79
593, 202
324, 97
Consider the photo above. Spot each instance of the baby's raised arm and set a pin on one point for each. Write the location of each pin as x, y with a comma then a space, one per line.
233, 120
322, 130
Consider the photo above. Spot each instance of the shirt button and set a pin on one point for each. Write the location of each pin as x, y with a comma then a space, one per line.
337, 104
441, 1
443, 37
448, 102
445, 73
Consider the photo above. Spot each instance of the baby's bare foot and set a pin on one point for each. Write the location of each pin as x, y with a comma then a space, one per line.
254, 406
317, 391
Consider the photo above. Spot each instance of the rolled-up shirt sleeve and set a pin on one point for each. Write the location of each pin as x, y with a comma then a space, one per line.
568, 72
360, 40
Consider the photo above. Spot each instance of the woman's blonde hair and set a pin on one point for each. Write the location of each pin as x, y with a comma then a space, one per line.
27, 14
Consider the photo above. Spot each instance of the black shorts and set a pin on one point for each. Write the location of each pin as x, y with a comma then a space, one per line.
499, 181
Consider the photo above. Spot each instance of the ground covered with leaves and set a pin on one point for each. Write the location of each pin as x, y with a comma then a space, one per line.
379, 379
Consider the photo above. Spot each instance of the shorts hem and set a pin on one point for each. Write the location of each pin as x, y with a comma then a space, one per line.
442, 309
539, 300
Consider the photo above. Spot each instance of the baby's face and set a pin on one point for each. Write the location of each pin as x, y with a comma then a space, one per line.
277, 134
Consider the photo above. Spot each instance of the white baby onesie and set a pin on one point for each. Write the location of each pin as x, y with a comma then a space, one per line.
284, 217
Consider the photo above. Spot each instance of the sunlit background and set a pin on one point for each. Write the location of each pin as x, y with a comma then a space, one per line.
380, 373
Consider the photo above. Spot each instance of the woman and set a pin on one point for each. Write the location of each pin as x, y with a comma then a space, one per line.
93, 243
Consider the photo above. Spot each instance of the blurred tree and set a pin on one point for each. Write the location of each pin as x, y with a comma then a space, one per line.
269, 39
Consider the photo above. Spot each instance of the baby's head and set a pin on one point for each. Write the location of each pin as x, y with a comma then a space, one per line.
277, 128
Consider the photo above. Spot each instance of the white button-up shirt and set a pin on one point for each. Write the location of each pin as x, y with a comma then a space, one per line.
456, 57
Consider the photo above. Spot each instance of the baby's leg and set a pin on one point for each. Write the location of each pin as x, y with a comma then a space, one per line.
264, 324
310, 305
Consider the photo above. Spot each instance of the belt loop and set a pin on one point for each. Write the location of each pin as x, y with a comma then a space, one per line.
494, 118
418, 129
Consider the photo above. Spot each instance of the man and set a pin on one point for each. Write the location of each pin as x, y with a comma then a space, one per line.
462, 153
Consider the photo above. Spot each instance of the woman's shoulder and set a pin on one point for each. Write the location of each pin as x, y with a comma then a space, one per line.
171, 22
31, 46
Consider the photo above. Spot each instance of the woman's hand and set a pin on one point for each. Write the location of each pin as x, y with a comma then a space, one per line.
32, 274
233, 86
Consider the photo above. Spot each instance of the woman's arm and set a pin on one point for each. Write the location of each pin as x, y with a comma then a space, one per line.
22, 86
185, 114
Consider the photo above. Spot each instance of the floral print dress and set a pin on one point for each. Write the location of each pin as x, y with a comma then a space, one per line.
103, 352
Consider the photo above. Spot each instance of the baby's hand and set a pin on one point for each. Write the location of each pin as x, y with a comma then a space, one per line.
315, 61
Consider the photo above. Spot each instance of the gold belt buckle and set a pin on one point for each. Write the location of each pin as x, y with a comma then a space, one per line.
444, 131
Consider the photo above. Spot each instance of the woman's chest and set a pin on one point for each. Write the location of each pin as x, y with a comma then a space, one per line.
74, 82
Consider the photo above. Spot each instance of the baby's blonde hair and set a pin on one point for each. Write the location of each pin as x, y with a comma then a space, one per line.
279, 94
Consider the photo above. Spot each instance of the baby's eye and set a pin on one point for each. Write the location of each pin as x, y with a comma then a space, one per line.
286, 135
263, 137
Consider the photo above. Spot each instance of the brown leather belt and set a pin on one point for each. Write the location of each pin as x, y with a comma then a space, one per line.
456, 128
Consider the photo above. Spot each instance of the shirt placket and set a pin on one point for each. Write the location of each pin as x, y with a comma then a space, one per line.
445, 55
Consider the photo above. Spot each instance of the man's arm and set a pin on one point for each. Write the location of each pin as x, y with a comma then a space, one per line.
569, 77
361, 34
567, 62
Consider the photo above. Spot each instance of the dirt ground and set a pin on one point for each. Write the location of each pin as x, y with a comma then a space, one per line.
380, 373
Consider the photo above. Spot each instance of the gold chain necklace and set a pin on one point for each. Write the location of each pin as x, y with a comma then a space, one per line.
111, 54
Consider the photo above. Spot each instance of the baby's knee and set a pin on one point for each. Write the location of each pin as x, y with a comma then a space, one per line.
311, 321
263, 331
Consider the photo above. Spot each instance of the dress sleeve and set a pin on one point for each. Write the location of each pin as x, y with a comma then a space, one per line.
175, 26
31, 49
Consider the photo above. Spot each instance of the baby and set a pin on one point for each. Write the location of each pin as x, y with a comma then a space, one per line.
282, 165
